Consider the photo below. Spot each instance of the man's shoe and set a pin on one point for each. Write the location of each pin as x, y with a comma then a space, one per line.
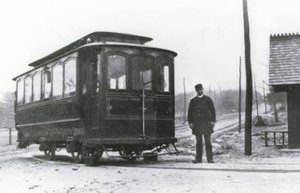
211, 162
197, 161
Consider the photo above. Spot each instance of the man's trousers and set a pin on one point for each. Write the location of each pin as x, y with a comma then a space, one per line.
208, 147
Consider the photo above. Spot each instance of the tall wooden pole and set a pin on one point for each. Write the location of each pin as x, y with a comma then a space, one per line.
240, 95
256, 103
249, 92
184, 103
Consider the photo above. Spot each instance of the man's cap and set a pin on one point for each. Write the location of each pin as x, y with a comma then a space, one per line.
198, 86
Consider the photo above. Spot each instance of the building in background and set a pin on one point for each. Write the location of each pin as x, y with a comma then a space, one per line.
284, 76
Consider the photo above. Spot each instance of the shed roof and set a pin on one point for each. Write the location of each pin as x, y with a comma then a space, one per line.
284, 68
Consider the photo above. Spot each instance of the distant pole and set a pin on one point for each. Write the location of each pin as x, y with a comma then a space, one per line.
249, 92
240, 96
184, 103
257, 114
9, 130
264, 97
143, 108
215, 98
275, 112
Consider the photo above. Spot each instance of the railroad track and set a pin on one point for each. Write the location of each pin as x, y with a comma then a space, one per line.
161, 165
225, 127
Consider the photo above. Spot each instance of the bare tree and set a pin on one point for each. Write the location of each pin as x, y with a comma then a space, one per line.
7, 110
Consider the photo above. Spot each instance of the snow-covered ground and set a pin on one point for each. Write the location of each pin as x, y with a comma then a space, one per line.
26, 171
267, 170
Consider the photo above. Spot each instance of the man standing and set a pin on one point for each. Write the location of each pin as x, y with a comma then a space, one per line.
202, 118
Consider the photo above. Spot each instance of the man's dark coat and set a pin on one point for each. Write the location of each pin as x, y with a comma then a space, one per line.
201, 113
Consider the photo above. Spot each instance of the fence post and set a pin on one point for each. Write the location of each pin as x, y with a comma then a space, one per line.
9, 129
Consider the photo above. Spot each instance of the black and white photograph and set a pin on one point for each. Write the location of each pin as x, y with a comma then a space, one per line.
162, 96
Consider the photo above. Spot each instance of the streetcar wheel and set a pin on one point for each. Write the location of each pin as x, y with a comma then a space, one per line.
77, 157
91, 158
150, 156
78, 154
130, 156
50, 152
130, 159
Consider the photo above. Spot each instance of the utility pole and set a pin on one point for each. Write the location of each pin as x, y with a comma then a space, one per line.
256, 103
215, 98
264, 97
275, 111
273, 100
249, 92
184, 104
240, 96
9, 130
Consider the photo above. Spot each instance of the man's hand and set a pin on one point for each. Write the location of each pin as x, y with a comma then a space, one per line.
191, 125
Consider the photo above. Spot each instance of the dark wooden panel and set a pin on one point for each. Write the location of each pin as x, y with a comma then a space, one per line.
48, 111
294, 119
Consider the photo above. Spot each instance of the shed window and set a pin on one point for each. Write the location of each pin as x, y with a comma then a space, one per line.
70, 77
164, 76
57, 80
20, 91
46, 77
28, 89
36, 87
116, 72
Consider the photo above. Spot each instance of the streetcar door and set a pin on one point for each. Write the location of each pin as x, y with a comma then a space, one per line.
142, 69
91, 93
95, 116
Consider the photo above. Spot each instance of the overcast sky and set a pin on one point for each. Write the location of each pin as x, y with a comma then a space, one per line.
206, 34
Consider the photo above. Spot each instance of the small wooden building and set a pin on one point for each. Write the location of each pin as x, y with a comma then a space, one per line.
284, 76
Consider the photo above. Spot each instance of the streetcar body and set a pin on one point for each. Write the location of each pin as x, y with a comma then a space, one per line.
106, 91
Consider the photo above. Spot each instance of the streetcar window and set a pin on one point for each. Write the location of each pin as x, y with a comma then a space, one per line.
36, 87
57, 80
99, 76
141, 72
70, 77
28, 89
46, 77
20, 91
146, 72
116, 72
164, 77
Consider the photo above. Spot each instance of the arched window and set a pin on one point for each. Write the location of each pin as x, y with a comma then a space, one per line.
36, 96
57, 80
164, 75
28, 89
47, 79
20, 91
117, 76
70, 77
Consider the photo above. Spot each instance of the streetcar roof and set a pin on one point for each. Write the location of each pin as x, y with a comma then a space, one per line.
64, 51
95, 37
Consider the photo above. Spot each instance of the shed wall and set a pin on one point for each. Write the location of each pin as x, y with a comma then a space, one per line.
294, 119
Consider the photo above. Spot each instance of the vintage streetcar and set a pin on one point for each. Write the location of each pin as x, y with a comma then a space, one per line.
104, 92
